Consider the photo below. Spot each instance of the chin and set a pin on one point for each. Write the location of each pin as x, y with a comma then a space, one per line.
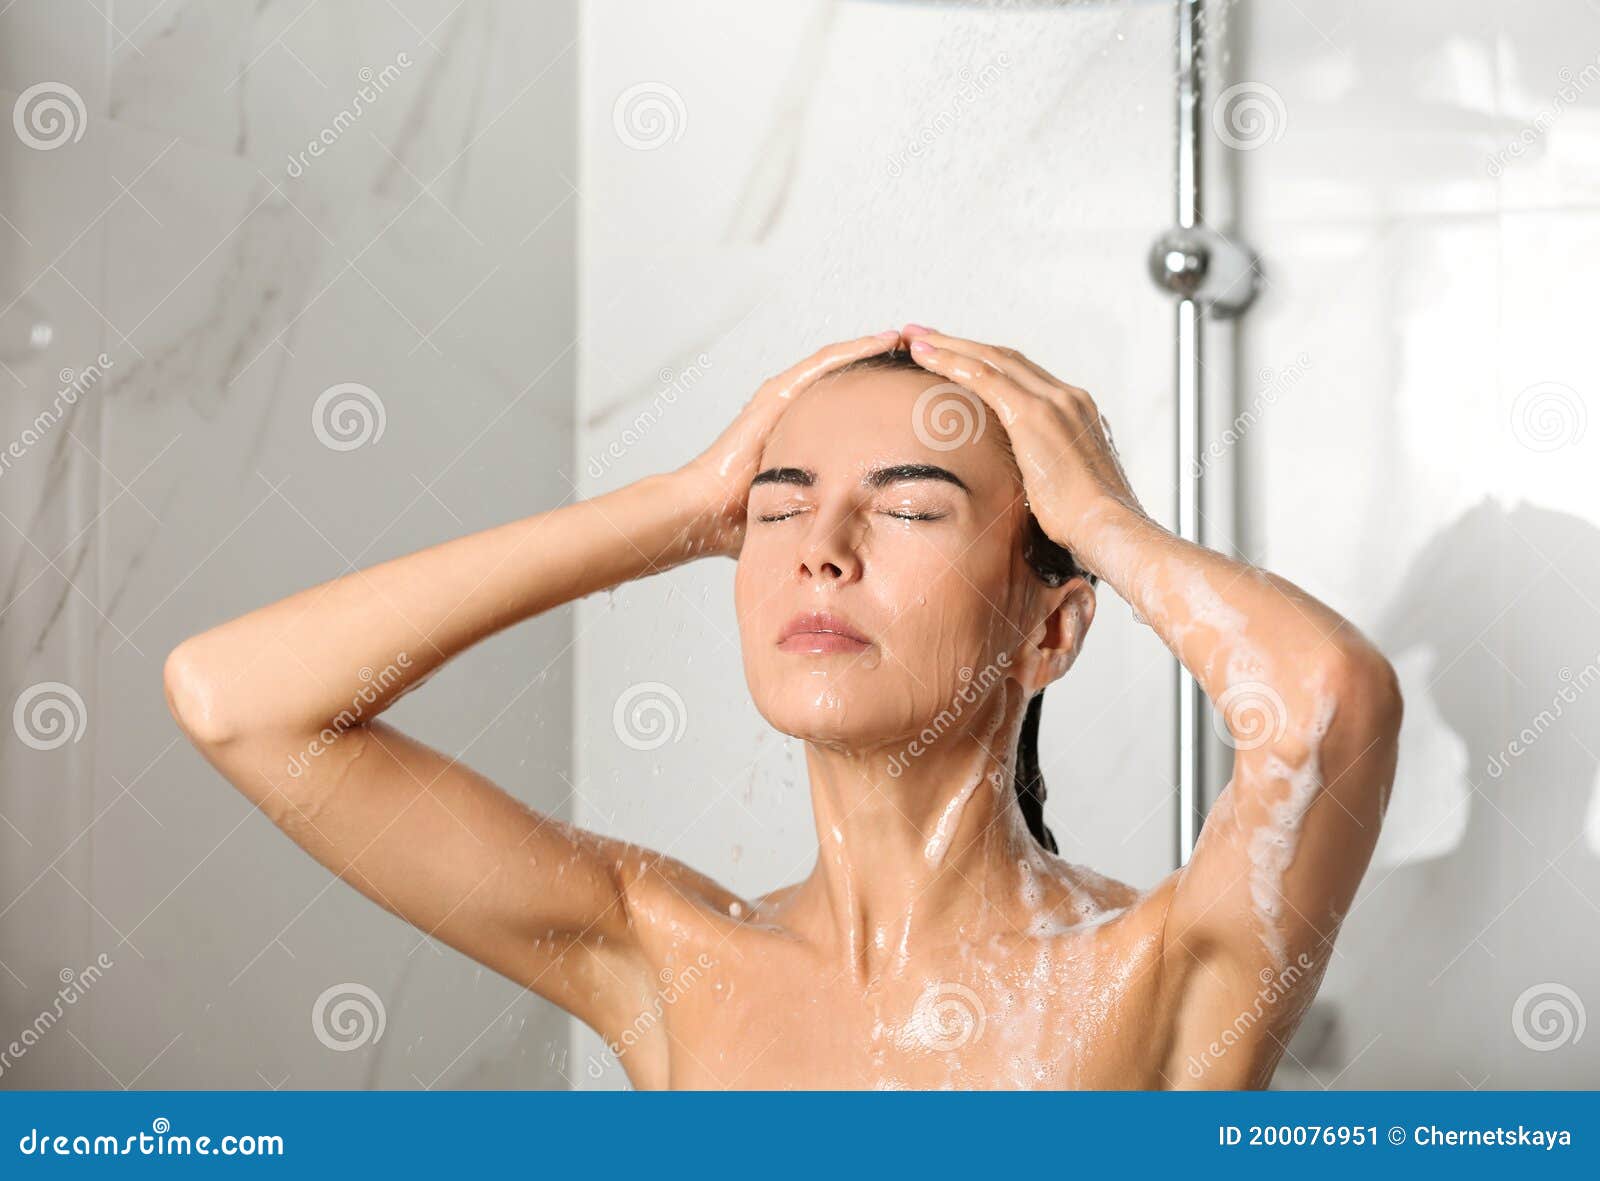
872, 711
822, 711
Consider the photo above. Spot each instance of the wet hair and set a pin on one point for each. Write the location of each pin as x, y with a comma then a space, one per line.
1055, 566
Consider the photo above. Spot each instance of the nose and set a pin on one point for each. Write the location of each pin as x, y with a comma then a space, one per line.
832, 550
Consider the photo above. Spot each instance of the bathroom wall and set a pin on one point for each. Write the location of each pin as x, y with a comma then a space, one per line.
1422, 453
1414, 443
207, 275
1405, 424
759, 181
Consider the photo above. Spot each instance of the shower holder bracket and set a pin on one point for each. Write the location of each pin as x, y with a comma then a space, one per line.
1202, 264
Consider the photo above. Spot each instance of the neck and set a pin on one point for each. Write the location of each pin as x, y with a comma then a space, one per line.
915, 843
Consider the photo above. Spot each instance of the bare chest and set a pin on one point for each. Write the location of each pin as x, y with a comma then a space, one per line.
753, 1009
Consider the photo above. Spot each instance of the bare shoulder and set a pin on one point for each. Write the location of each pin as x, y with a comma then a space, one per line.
660, 888
681, 917
1098, 893
1076, 897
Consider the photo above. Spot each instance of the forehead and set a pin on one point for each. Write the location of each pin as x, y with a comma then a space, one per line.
869, 417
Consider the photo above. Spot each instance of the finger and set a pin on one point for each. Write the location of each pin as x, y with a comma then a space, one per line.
1111, 447
828, 358
999, 391
1019, 368
773, 396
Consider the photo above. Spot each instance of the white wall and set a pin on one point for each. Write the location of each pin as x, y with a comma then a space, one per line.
1393, 463
781, 210
1430, 222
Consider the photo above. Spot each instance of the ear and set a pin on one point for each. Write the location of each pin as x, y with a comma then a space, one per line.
1053, 645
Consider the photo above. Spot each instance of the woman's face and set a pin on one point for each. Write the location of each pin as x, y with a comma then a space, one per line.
887, 506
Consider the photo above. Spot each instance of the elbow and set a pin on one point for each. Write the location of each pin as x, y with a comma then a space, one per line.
195, 697
1367, 691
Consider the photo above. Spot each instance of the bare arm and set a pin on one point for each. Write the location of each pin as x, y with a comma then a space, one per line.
1313, 712
284, 701
1312, 708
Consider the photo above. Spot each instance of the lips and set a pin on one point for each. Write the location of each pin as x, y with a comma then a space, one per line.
821, 631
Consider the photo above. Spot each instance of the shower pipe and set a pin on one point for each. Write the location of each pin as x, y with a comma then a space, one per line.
1212, 276
1216, 278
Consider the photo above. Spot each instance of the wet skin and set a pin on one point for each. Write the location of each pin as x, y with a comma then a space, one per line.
934, 942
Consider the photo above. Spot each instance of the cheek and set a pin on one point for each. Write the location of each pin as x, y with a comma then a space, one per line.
944, 627
954, 622
756, 577
755, 608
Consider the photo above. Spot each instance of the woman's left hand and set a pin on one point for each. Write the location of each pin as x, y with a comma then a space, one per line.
1061, 440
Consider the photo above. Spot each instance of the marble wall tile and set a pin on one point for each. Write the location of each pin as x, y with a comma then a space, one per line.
427, 255
54, 192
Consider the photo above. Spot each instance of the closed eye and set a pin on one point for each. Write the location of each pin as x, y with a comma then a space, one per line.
769, 517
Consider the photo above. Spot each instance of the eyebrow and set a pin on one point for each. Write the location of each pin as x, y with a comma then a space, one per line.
882, 477
902, 472
786, 475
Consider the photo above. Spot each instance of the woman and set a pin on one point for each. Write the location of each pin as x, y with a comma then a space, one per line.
903, 598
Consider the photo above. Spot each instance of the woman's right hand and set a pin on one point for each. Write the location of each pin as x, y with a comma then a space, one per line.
719, 478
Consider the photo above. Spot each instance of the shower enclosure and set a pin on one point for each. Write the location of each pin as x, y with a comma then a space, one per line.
288, 289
